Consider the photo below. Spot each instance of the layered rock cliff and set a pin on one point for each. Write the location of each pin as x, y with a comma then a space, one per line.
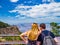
10, 30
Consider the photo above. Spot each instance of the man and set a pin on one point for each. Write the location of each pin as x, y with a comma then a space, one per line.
45, 32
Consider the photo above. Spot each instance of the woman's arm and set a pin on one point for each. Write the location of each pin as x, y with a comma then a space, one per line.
23, 35
38, 43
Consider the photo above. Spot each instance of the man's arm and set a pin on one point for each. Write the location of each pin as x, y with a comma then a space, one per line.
53, 36
56, 40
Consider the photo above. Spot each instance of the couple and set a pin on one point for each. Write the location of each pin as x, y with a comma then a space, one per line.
34, 35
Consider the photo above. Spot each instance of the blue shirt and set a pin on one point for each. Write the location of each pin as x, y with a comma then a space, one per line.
46, 33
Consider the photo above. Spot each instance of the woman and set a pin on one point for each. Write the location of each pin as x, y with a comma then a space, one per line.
31, 35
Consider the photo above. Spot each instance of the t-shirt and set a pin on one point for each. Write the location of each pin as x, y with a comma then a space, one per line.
41, 37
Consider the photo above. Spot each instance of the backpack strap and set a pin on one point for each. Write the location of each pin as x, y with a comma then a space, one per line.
49, 33
43, 35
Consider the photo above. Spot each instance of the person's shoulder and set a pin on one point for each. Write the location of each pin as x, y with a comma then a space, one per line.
45, 31
28, 31
48, 31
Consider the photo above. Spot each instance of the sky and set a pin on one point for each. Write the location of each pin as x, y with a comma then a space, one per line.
29, 11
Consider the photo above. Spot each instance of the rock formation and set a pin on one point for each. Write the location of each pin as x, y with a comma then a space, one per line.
10, 30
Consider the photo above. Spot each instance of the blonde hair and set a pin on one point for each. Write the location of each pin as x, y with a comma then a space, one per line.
34, 31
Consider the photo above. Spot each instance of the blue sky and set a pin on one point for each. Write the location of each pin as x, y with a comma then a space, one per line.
29, 11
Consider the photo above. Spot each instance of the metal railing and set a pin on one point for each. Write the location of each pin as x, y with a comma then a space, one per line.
10, 42
17, 42
8, 35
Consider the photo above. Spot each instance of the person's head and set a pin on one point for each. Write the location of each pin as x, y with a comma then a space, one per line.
42, 26
34, 26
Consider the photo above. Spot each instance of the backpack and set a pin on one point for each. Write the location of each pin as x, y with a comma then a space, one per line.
48, 40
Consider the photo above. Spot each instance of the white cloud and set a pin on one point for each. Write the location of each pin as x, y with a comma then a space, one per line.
42, 10
14, 0
17, 15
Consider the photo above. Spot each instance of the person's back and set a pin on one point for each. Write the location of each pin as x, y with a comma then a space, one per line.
44, 32
32, 35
